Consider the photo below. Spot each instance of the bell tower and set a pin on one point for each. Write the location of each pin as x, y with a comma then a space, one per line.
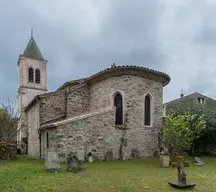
32, 81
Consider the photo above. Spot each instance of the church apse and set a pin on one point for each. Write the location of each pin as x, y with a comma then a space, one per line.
105, 113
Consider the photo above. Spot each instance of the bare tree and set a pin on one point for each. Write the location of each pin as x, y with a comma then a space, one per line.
8, 121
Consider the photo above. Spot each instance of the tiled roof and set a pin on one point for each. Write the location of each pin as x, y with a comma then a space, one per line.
114, 68
187, 96
133, 67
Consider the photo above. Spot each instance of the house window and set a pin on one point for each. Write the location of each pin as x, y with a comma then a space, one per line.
119, 109
31, 75
47, 135
200, 100
147, 108
37, 76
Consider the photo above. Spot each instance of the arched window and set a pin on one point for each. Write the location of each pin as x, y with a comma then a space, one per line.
147, 117
37, 76
47, 135
31, 75
119, 109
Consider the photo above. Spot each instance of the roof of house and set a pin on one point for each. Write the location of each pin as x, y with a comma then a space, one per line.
187, 96
32, 50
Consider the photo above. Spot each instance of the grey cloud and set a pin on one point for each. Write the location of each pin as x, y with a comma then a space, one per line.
80, 38
189, 47
206, 35
128, 35
203, 84
204, 80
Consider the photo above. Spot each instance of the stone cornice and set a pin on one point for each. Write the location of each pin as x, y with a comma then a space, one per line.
29, 87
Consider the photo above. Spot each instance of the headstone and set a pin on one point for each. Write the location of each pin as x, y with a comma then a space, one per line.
109, 156
198, 161
52, 163
164, 161
135, 153
90, 157
80, 154
74, 164
182, 179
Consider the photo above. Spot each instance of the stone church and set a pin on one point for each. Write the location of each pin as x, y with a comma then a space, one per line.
117, 111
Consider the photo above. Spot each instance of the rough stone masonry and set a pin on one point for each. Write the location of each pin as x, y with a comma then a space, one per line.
81, 115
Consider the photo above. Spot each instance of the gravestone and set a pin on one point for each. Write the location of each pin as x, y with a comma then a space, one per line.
164, 161
90, 157
74, 165
109, 156
81, 155
135, 153
198, 161
52, 163
182, 182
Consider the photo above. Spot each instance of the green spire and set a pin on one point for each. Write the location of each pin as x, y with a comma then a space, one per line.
32, 49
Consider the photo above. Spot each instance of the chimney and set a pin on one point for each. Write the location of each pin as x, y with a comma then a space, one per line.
182, 94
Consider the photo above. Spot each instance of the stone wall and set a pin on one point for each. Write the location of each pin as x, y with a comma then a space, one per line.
78, 101
33, 126
97, 133
52, 106
92, 133
133, 90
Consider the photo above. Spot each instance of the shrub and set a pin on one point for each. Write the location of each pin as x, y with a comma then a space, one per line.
7, 150
206, 143
180, 131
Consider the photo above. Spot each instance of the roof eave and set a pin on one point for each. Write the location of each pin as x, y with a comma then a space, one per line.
164, 75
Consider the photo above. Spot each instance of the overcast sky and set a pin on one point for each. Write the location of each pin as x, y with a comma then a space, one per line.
82, 37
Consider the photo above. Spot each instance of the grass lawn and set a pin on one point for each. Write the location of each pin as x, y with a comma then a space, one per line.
27, 175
